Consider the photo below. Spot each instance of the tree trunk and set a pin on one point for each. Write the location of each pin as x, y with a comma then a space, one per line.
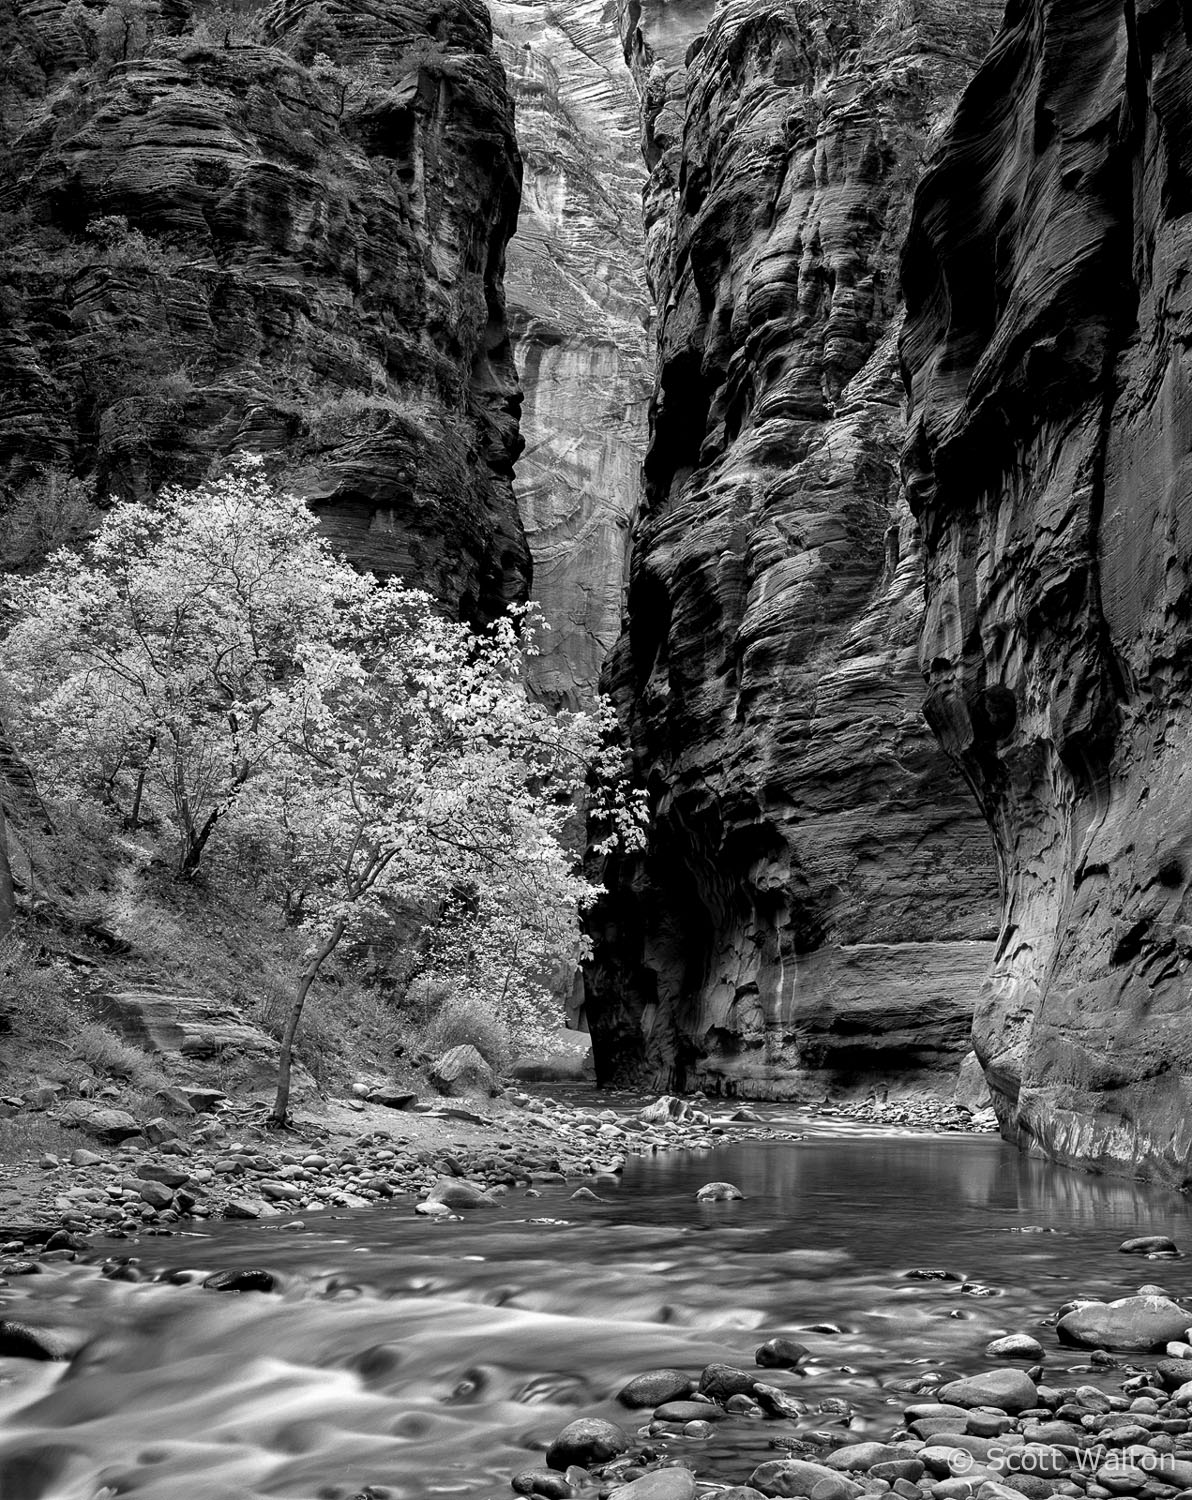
281, 1105
8, 900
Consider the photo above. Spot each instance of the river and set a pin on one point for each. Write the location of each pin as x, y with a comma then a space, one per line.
423, 1359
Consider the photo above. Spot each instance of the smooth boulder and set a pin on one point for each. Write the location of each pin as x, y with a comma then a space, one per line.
718, 1192
1131, 1323
589, 1440
1015, 1346
1148, 1244
781, 1354
1009, 1390
663, 1484
795, 1477
653, 1387
109, 1125
456, 1192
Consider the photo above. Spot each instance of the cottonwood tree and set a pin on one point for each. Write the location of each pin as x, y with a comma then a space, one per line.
420, 777
210, 663
147, 673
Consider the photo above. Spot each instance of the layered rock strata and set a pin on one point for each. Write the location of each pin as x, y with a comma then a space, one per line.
289, 239
1050, 314
816, 903
580, 319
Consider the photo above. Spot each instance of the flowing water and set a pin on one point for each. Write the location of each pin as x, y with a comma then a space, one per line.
428, 1359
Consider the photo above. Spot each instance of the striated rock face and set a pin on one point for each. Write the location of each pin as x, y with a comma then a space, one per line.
1047, 358
817, 900
212, 245
579, 316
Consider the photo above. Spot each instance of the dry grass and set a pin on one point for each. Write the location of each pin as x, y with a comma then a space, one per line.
33, 994
34, 1135
112, 1057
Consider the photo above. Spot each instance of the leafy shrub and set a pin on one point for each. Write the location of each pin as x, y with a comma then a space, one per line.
464, 1019
32, 995
49, 511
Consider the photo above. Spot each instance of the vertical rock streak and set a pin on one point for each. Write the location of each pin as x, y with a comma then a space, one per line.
816, 900
579, 314
1051, 419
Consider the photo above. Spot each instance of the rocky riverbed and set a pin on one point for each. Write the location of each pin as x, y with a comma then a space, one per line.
999, 1434
433, 1157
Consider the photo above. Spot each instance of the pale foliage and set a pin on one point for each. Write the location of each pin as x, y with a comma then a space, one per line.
212, 665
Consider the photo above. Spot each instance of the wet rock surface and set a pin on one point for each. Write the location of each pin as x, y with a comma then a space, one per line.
1045, 276
817, 897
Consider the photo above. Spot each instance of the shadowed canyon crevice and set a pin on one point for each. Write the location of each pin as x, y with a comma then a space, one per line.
1046, 354
817, 901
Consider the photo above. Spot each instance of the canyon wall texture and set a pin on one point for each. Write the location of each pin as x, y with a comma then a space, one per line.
580, 320
282, 232
1046, 352
818, 899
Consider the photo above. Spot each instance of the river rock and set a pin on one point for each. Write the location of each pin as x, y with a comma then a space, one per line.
241, 1208
155, 1171
1129, 1323
675, 1483
718, 1192
20, 1340
105, 1124
1149, 1244
462, 1073
721, 1381
864, 1455
1015, 1346
777, 1403
740, 1492
586, 1441
1173, 1373
455, 1192
688, 1411
548, 1483
653, 1387
241, 1279
155, 1194
84, 1158
795, 1477
781, 1354
1010, 1390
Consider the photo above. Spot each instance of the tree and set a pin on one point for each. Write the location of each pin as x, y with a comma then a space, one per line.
147, 673
210, 663
420, 777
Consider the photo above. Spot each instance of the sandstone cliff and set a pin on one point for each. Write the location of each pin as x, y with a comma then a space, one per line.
817, 899
1046, 354
285, 234
579, 317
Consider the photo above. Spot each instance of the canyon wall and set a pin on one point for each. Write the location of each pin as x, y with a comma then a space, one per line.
580, 320
282, 232
818, 899
1046, 352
